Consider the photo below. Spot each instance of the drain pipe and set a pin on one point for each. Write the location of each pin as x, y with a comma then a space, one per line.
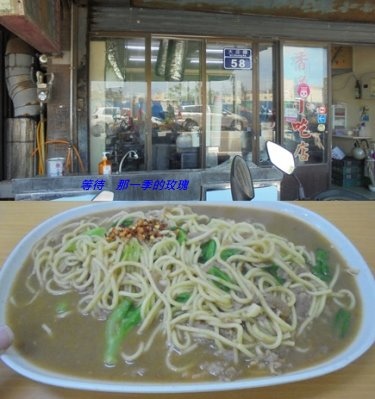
21, 88
20, 131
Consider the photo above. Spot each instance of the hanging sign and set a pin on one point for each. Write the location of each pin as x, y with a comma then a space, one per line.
238, 58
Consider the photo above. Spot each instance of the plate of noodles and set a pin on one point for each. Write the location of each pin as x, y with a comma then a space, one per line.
185, 297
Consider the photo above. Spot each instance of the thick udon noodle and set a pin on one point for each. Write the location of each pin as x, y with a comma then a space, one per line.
254, 315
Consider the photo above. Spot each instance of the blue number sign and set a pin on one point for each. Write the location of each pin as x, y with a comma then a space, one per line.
238, 58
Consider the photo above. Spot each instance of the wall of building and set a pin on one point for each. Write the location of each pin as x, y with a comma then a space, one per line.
67, 108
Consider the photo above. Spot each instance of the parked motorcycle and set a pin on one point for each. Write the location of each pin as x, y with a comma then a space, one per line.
241, 181
284, 161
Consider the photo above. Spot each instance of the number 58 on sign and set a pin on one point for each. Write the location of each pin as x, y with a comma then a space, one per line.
238, 58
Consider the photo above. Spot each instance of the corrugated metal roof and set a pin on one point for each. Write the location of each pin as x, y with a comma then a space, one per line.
321, 10
117, 18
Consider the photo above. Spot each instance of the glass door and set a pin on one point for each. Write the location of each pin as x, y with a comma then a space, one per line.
229, 101
305, 116
117, 103
305, 119
176, 111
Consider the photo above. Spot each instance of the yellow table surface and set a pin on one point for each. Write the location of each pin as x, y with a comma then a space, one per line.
355, 219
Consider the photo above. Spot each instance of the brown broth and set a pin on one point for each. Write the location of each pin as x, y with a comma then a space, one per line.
77, 343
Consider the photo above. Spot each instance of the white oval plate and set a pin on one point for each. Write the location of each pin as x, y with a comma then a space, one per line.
363, 340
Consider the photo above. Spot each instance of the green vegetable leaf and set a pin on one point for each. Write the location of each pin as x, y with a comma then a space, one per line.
227, 253
215, 271
71, 247
183, 297
208, 250
321, 268
97, 231
342, 322
61, 307
181, 235
132, 251
273, 270
120, 322
126, 222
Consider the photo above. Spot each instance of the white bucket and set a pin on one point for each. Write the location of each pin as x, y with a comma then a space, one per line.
55, 166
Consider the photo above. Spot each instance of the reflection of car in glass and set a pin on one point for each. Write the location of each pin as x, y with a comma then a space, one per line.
190, 116
157, 121
106, 115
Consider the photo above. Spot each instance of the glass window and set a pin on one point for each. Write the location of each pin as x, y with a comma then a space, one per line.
117, 103
176, 103
267, 108
305, 103
228, 101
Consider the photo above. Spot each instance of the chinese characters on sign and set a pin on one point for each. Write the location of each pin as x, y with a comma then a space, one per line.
308, 119
125, 184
